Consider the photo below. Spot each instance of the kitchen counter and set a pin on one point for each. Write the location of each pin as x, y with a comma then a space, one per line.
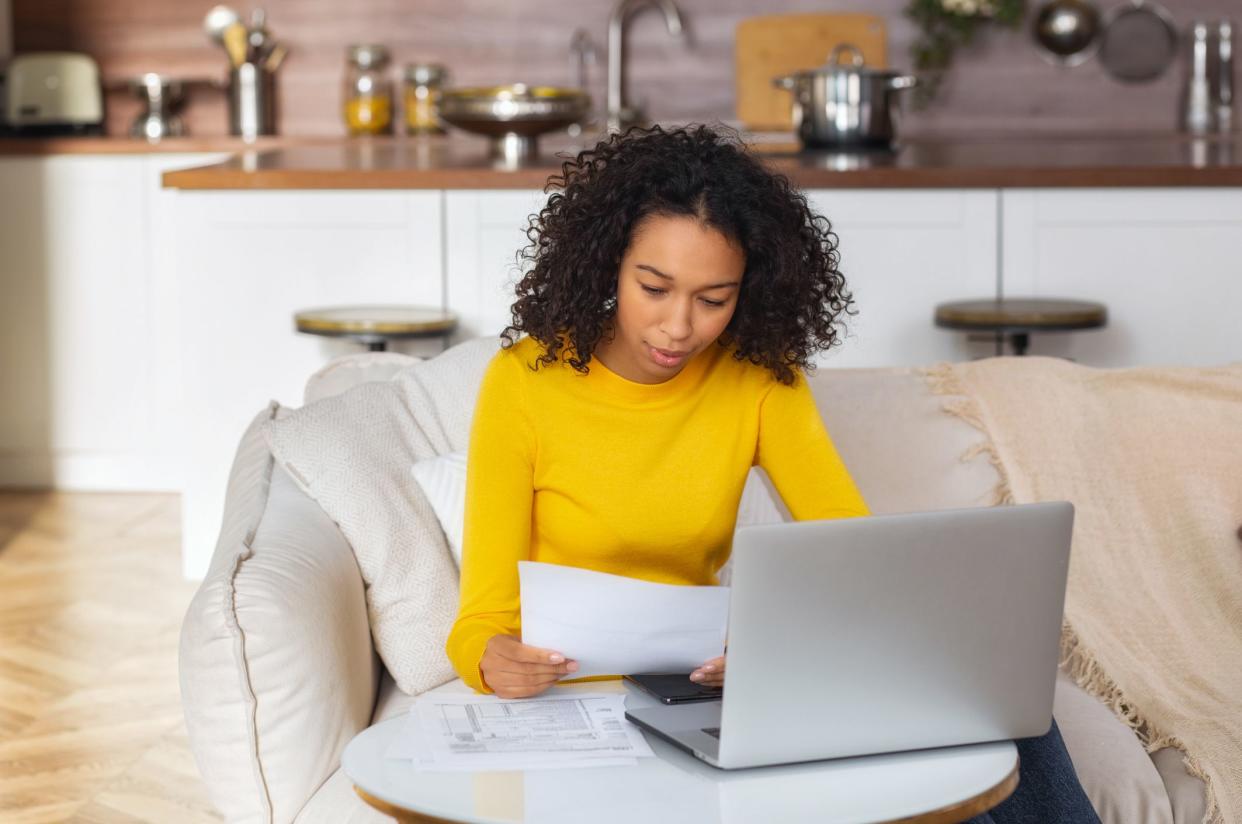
945, 161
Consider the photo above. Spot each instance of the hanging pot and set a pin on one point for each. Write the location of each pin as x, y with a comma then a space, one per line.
844, 105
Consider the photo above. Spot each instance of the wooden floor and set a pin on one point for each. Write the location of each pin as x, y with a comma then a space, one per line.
91, 601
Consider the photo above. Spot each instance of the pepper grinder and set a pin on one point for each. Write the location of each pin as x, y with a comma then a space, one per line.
1196, 105
1222, 91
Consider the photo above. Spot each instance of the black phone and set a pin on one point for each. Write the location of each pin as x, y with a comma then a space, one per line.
674, 688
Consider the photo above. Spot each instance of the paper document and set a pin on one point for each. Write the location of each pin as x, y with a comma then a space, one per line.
614, 625
483, 732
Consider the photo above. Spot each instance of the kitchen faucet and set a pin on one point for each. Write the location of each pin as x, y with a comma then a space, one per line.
620, 115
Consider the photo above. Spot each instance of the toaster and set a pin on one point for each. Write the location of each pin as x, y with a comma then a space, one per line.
54, 93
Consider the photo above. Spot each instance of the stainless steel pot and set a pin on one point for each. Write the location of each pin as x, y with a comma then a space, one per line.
844, 105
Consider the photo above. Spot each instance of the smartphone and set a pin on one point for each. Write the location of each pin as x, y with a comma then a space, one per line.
674, 688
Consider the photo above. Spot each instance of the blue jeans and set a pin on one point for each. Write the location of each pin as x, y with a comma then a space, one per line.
1048, 791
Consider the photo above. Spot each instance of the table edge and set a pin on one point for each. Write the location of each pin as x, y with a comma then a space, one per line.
952, 814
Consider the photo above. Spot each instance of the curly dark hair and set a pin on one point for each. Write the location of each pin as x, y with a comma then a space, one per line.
792, 299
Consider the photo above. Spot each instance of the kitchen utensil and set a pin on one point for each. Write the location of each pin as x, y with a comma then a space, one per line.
772, 45
54, 93
218, 19
1222, 85
513, 116
257, 36
1067, 31
162, 96
1195, 114
844, 105
275, 57
235, 43
1138, 41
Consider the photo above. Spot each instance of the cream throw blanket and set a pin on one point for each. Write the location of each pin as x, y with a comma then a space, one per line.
1152, 460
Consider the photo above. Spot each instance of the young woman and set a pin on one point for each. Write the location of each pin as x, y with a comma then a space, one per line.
657, 352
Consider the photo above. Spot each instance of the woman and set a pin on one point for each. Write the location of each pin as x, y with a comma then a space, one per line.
678, 292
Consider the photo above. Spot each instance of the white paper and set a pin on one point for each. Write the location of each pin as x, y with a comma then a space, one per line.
614, 625
483, 732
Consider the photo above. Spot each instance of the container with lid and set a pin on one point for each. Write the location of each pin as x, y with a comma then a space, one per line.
368, 90
423, 82
844, 104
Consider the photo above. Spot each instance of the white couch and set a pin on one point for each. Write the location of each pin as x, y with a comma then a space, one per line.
277, 666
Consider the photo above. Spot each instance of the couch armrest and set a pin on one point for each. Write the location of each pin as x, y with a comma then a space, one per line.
277, 667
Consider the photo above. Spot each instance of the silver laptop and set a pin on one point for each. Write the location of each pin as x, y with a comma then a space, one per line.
893, 632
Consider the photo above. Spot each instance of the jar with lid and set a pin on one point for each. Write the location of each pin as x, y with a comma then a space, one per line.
368, 91
423, 82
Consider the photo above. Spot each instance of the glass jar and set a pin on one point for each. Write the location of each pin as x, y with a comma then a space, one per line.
423, 82
368, 91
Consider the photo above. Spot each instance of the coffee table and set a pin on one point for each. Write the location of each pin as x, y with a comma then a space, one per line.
928, 786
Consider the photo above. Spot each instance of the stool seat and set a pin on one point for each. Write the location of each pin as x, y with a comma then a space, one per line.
1018, 317
376, 325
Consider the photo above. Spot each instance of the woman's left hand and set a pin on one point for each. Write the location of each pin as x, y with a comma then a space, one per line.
711, 674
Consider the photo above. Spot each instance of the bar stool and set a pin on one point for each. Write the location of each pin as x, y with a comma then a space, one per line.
374, 326
1018, 318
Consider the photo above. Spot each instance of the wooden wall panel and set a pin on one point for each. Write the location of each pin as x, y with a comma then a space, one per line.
1000, 84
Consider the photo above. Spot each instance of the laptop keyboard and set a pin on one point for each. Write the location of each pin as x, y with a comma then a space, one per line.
714, 732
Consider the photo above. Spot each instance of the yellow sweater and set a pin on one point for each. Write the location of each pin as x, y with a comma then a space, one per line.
599, 472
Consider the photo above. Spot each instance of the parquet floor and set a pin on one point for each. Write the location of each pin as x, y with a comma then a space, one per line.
91, 601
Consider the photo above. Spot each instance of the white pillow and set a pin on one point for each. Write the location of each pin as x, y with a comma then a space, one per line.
443, 479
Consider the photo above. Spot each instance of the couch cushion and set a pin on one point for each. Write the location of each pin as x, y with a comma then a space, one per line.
300, 607
1113, 768
336, 803
1187, 793
904, 452
336, 800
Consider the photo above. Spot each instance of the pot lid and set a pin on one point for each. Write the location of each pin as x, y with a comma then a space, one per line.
846, 58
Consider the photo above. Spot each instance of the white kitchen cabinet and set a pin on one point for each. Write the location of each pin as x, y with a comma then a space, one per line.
902, 252
246, 262
1166, 262
82, 324
483, 232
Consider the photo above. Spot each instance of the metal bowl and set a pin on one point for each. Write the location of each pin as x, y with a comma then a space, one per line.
513, 116
1067, 31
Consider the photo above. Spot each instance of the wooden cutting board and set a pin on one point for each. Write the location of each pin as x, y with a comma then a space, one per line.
772, 45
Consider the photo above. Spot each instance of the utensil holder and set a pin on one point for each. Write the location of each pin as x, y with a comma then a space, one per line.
252, 101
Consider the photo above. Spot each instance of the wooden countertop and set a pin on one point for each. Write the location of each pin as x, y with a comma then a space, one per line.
460, 161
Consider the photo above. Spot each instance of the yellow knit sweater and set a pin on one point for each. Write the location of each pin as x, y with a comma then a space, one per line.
599, 472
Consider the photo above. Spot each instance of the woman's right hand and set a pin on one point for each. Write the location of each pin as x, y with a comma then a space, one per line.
514, 670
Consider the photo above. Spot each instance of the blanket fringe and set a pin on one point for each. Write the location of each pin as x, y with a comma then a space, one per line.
1085, 670
942, 381
1077, 661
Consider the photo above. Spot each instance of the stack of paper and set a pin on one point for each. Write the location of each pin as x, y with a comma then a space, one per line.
448, 732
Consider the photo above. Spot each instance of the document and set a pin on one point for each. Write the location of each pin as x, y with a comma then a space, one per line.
614, 625
445, 732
